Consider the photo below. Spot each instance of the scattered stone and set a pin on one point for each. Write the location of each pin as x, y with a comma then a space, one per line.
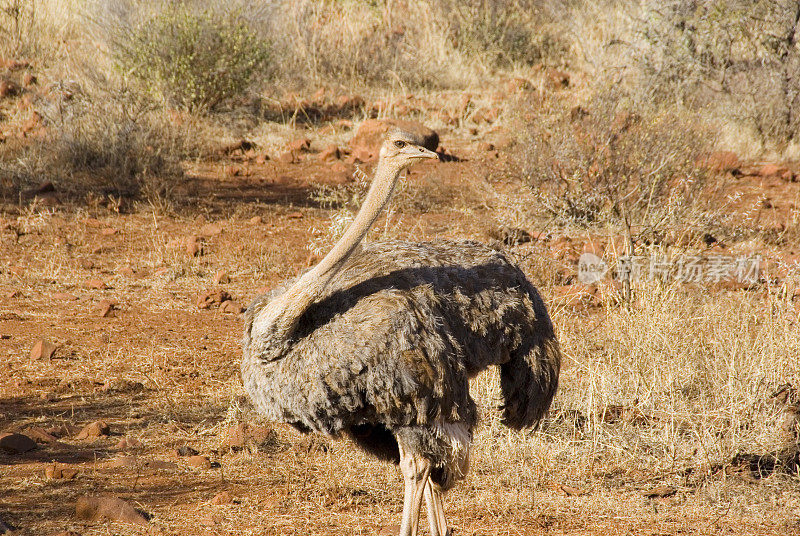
63, 296
201, 462
659, 491
213, 297
299, 145
369, 137
105, 309
230, 306
107, 508
63, 430
40, 435
186, 450
772, 170
296, 215
221, 277
17, 443
109, 231
210, 230
126, 271
43, 349
255, 220
330, 153
94, 430
569, 491
96, 284
8, 89
241, 435
222, 498
127, 443
57, 471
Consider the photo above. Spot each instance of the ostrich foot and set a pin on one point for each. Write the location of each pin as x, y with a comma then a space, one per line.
436, 519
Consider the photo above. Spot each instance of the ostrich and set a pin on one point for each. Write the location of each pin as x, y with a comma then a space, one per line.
378, 342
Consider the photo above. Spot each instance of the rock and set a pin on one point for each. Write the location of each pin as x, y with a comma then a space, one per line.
230, 306
127, 443
107, 508
213, 297
330, 153
221, 277
222, 498
109, 231
255, 220
96, 284
210, 230
43, 349
57, 471
8, 89
63, 430
193, 246
296, 215
241, 435
201, 462
569, 491
126, 271
300, 145
659, 491
369, 137
186, 450
94, 430
772, 170
105, 309
17, 444
40, 435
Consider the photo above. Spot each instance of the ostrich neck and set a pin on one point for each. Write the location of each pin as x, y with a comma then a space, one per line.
281, 315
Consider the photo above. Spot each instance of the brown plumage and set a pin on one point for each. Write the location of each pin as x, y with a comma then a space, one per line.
378, 343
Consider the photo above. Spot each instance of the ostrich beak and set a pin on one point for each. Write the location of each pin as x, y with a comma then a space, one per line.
415, 151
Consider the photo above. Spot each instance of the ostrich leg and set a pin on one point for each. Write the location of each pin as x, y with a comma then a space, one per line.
415, 471
436, 519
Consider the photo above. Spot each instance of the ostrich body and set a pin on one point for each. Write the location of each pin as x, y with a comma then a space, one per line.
378, 343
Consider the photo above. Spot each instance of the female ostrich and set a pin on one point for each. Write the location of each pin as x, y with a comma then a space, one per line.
379, 342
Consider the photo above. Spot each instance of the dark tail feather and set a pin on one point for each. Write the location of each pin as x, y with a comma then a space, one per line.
528, 380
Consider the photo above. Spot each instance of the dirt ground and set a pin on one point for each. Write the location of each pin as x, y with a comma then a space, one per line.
143, 340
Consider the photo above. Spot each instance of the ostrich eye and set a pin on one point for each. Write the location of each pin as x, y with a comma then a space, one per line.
399, 144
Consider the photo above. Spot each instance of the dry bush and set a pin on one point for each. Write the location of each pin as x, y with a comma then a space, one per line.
104, 142
602, 163
192, 55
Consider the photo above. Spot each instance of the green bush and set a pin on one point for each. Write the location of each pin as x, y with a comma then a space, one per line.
191, 58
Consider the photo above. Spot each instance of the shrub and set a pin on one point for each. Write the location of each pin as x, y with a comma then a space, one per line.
601, 163
190, 57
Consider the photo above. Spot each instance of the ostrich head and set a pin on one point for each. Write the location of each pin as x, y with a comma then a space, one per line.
402, 149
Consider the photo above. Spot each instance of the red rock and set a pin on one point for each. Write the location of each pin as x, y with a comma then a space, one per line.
8, 89
772, 170
240, 435
96, 284
63, 296
94, 430
212, 297
569, 491
127, 271
43, 349
210, 230
109, 231
107, 508
222, 498
255, 220
230, 306
221, 277
369, 137
201, 462
105, 309
40, 435
17, 443
296, 215
300, 145
330, 153
128, 443
57, 471
62, 430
